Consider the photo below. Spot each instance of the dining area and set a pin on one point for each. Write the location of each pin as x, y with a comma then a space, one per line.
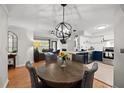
38, 63
52, 75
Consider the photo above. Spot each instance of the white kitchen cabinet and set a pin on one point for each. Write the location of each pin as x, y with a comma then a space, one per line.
109, 37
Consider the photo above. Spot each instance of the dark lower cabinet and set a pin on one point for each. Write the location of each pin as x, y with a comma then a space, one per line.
12, 56
97, 55
81, 57
86, 58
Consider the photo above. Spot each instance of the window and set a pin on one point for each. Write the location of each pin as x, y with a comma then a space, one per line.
45, 44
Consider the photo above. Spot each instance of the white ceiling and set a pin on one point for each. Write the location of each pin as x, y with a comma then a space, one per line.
42, 18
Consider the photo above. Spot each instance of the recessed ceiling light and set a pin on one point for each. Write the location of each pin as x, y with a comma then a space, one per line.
100, 27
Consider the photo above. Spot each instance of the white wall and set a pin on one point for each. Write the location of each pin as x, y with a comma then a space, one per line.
109, 40
97, 43
25, 45
119, 57
102, 39
60, 45
3, 48
80, 42
84, 42
71, 45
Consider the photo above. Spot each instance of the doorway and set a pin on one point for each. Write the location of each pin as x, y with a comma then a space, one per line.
54, 45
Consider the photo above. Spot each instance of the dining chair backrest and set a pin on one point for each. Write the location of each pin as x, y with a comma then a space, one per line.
87, 81
33, 74
50, 57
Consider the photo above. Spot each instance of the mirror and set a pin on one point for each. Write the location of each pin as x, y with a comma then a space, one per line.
12, 42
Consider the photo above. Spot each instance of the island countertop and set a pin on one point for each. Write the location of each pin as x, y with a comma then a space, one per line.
75, 52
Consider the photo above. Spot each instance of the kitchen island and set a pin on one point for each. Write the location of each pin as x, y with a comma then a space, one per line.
84, 57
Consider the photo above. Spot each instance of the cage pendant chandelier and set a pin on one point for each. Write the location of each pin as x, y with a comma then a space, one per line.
63, 29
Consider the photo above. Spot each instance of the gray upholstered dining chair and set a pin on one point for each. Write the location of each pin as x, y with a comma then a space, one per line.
35, 83
87, 81
49, 57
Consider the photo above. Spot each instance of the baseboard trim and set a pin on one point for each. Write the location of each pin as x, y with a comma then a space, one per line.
6, 83
22, 65
103, 82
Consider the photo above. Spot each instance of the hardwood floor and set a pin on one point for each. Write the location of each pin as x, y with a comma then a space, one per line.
19, 78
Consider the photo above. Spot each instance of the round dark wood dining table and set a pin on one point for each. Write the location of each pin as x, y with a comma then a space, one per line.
56, 76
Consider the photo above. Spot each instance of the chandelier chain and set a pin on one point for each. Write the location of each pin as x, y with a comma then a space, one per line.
63, 13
